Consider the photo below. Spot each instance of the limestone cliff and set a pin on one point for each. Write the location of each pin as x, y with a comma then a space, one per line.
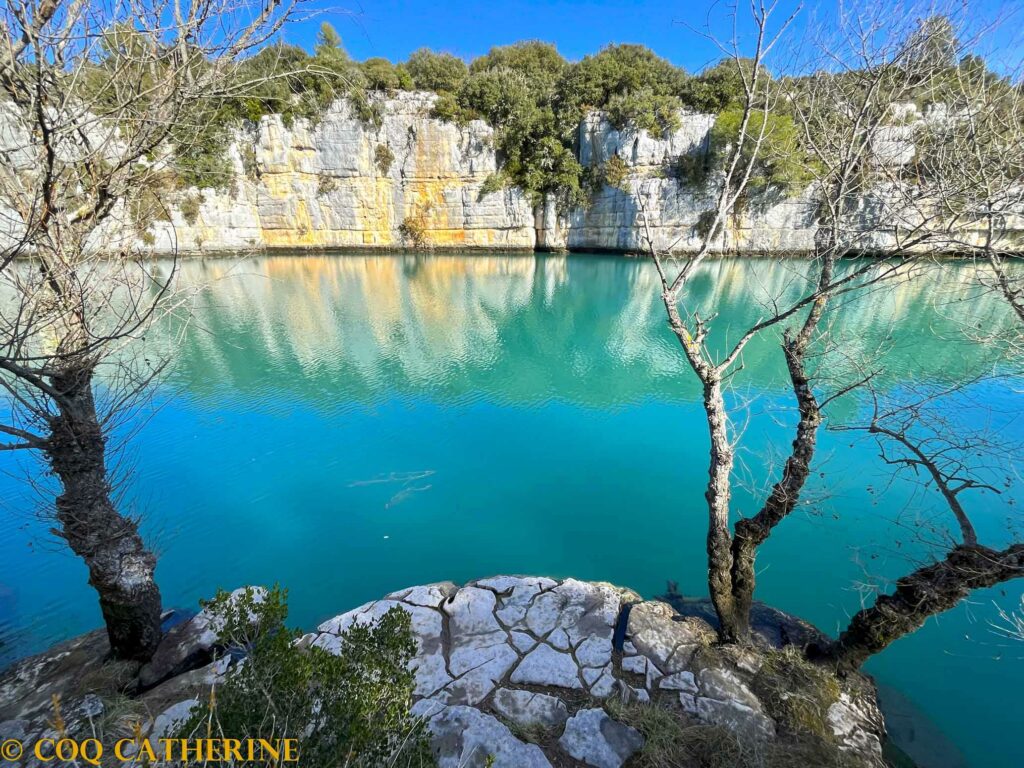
345, 183
416, 181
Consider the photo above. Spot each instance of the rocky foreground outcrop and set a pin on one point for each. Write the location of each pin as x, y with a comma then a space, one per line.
520, 672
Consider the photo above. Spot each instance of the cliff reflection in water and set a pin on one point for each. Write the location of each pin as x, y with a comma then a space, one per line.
512, 327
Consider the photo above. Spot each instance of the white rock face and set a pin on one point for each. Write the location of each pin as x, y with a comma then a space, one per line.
345, 183
332, 186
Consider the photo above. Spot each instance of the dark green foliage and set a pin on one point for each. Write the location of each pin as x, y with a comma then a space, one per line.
614, 172
382, 75
438, 72
634, 84
780, 162
716, 88
350, 709
540, 64
383, 157
503, 97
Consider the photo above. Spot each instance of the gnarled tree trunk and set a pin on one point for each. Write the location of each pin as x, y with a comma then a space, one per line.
717, 494
926, 592
752, 532
120, 566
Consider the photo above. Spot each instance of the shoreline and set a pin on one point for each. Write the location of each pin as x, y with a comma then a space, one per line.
495, 658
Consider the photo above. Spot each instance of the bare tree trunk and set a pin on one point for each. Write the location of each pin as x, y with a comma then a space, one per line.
717, 494
120, 566
752, 532
920, 595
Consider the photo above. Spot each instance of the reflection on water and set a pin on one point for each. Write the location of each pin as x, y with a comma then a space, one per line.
350, 425
446, 325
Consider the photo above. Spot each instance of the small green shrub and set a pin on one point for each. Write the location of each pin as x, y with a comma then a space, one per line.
189, 207
413, 230
494, 183
325, 184
383, 157
249, 165
351, 709
615, 173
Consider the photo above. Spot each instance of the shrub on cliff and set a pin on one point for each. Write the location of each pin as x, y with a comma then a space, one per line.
633, 83
540, 64
382, 75
437, 72
781, 162
715, 88
346, 709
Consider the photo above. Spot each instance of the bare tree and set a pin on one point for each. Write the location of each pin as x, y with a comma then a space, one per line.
947, 458
96, 100
845, 114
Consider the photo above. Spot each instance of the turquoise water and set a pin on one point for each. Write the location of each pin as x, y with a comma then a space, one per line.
350, 425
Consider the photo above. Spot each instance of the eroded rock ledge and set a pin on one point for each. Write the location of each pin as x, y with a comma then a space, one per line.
519, 672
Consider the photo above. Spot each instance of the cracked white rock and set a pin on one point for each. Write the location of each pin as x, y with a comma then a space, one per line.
679, 681
597, 740
543, 613
635, 664
546, 666
523, 641
559, 639
478, 669
605, 685
594, 651
472, 612
465, 737
724, 685
525, 708
668, 640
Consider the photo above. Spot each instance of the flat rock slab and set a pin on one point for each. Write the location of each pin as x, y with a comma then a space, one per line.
526, 708
500, 663
593, 737
465, 737
546, 666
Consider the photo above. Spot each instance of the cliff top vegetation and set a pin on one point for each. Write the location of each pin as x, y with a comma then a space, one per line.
535, 99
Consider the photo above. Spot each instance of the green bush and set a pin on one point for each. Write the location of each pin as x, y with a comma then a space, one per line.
189, 207
437, 72
413, 230
640, 87
540, 64
780, 162
382, 75
350, 709
383, 157
716, 88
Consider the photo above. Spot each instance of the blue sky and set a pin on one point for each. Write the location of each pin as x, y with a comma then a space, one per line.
468, 28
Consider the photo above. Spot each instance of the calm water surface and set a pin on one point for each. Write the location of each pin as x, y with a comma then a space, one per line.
350, 425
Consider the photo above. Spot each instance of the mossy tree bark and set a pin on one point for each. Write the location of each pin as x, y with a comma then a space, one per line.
926, 592
120, 566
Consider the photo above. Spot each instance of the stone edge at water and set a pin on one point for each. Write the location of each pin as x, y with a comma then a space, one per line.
501, 663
